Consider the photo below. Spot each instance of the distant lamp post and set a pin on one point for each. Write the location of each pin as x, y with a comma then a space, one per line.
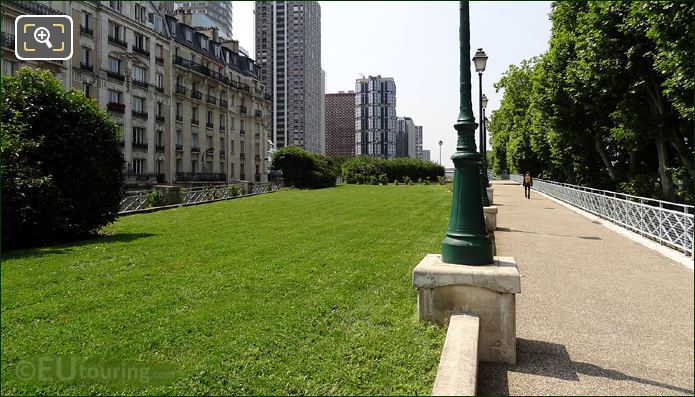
466, 241
440, 152
483, 144
480, 61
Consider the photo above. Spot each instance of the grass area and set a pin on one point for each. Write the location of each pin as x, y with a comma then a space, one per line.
296, 292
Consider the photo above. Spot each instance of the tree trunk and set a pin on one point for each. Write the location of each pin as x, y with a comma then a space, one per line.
634, 163
676, 140
664, 173
604, 156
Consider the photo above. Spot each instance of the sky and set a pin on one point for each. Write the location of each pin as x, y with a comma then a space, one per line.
416, 43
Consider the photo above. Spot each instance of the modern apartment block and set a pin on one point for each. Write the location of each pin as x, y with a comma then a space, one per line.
375, 117
205, 13
418, 142
340, 123
190, 108
405, 137
288, 48
426, 155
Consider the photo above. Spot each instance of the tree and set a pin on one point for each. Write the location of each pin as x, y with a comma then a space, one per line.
62, 166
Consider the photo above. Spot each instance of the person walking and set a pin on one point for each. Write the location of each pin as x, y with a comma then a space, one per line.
528, 182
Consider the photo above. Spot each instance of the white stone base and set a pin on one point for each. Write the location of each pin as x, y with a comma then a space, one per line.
485, 291
490, 214
489, 194
457, 374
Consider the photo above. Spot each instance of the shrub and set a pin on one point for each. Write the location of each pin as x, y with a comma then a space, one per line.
407, 181
395, 170
303, 169
441, 179
155, 199
62, 167
235, 191
383, 179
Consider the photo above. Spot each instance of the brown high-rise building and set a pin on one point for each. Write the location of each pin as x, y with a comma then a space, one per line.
340, 123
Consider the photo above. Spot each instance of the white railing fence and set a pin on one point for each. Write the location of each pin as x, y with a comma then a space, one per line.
670, 224
150, 199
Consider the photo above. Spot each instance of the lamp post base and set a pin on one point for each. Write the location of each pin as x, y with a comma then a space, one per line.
472, 250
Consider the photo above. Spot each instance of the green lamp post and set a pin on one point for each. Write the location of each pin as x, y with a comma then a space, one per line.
466, 241
480, 60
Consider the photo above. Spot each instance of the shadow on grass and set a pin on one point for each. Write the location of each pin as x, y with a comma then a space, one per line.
551, 360
67, 247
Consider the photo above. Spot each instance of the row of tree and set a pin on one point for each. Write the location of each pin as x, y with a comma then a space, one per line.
609, 105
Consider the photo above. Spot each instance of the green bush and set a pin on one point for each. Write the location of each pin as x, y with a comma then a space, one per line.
62, 170
155, 199
303, 169
383, 179
361, 168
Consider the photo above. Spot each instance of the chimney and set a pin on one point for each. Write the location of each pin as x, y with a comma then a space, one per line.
231, 45
212, 32
184, 16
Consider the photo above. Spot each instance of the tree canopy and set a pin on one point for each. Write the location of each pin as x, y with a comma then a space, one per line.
609, 105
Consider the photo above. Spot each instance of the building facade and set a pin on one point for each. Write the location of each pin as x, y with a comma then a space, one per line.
406, 132
340, 123
190, 109
288, 49
375, 117
205, 13
426, 155
418, 142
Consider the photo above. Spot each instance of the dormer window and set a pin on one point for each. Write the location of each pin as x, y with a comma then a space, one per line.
189, 36
204, 42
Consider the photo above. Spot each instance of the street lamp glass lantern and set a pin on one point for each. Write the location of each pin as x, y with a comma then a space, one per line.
484, 101
480, 60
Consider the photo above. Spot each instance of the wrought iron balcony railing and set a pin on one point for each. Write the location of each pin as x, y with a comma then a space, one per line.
258, 113
159, 148
8, 40
209, 125
195, 149
180, 89
116, 107
242, 109
211, 99
195, 94
140, 115
118, 42
195, 121
179, 117
141, 51
115, 75
87, 68
139, 145
139, 83
179, 147
158, 59
86, 30
223, 103
34, 7
159, 119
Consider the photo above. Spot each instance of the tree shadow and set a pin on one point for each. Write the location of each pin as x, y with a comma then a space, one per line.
68, 247
551, 360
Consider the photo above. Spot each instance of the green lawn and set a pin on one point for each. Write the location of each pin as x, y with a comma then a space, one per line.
296, 292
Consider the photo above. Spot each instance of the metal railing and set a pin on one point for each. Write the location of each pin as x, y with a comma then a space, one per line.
146, 199
670, 224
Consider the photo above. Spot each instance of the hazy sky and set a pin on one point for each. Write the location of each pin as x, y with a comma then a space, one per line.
416, 43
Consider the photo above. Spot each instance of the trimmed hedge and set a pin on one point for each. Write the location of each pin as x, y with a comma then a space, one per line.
304, 169
61, 165
361, 169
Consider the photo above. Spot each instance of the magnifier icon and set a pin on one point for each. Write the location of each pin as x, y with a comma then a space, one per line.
43, 36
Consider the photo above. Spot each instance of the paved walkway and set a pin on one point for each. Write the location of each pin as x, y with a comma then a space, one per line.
598, 314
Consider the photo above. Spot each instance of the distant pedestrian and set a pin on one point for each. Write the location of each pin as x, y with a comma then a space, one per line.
528, 182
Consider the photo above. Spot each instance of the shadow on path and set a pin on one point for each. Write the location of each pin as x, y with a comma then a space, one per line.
506, 229
66, 248
551, 360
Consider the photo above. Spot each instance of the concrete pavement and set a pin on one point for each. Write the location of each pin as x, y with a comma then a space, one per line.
598, 314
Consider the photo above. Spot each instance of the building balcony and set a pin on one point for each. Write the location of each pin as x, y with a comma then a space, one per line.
86, 68
240, 86
159, 148
258, 113
140, 84
8, 40
219, 77
116, 107
242, 132
141, 51
209, 125
195, 94
140, 145
222, 152
242, 156
86, 30
140, 115
223, 103
211, 99
222, 128
242, 109
195, 122
159, 89
159, 60
180, 89
159, 119
179, 148
181, 62
195, 149
201, 176
115, 75
118, 42
200, 68
242, 176
36, 8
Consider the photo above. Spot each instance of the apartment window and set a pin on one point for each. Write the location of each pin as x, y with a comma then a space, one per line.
179, 137
159, 108
86, 89
194, 139
194, 113
172, 27
138, 135
179, 165
138, 104
115, 96
210, 117
85, 55
158, 24
140, 74
160, 138
203, 42
116, 31
194, 166
8, 67
189, 36
159, 77
158, 51
138, 164
232, 170
179, 113
231, 150
231, 123
222, 167
222, 120
86, 20
258, 149
116, 5
209, 141
114, 65
140, 13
